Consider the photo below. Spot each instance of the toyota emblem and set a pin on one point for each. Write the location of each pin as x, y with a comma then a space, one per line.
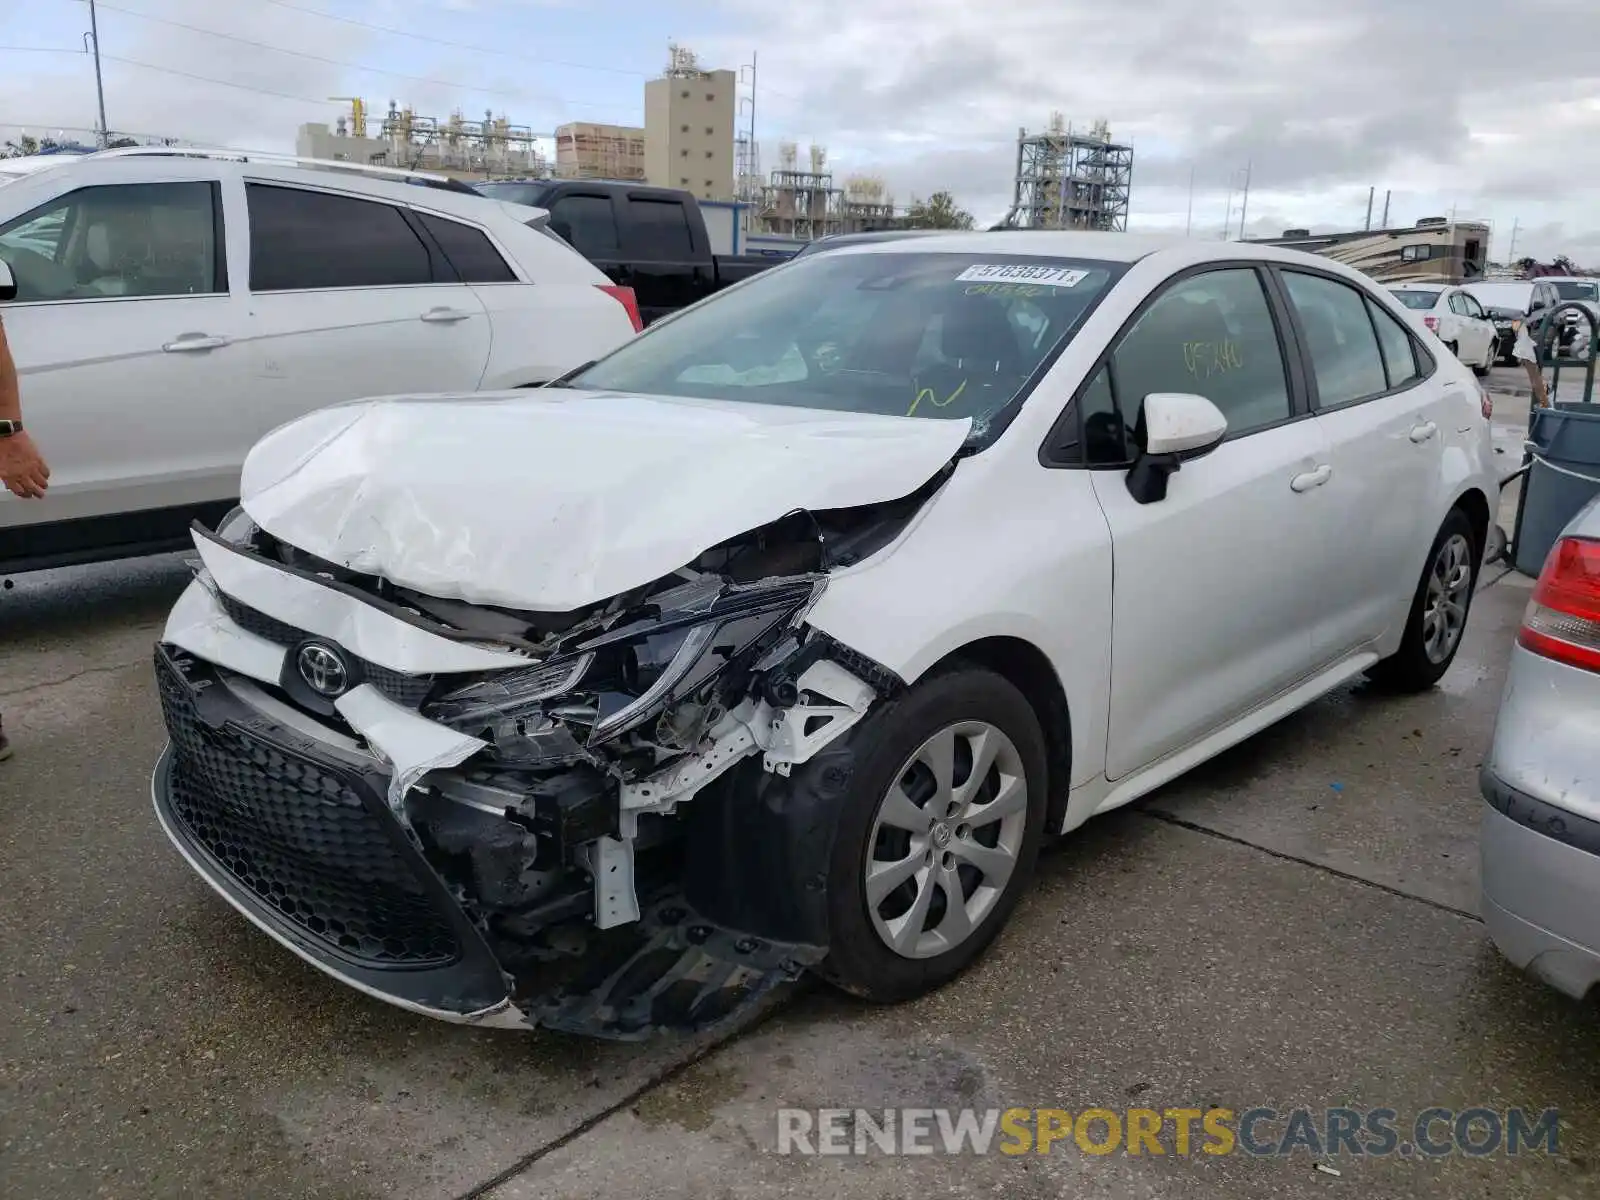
323, 669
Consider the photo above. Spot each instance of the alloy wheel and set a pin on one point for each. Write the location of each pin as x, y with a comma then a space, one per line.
1444, 613
946, 839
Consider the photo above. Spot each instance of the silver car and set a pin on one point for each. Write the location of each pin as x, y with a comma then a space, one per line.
1540, 840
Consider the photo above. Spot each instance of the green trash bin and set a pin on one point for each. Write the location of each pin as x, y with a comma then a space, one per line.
1563, 476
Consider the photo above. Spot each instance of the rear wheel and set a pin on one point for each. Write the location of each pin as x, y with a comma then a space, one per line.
940, 835
1438, 616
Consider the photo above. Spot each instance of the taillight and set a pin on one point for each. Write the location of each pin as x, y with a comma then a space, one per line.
1486, 403
628, 300
1563, 618
1432, 323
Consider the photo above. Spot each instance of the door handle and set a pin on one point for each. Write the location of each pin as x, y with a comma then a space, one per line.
439, 315
185, 343
1311, 479
1421, 433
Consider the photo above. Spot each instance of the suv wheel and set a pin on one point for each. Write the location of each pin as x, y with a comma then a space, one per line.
1438, 615
939, 837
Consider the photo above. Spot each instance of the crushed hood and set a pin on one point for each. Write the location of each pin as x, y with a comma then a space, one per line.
554, 499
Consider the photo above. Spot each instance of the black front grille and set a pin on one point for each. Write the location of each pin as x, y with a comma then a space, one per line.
409, 690
300, 838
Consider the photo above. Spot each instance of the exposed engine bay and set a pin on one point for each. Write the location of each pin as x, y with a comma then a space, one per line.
600, 805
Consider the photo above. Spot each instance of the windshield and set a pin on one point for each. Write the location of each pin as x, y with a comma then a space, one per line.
1578, 291
1420, 300
934, 335
514, 193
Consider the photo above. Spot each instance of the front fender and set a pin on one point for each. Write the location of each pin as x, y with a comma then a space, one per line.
1005, 550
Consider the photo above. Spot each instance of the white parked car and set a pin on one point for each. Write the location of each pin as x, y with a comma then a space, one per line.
1455, 317
781, 636
171, 309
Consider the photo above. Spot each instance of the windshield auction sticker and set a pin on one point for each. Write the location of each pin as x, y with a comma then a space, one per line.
1021, 273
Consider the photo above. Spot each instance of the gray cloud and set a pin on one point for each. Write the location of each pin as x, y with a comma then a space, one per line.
1485, 109
1488, 108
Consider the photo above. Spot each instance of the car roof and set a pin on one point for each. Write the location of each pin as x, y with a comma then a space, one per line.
29, 163
112, 166
1173, 252
1045, 243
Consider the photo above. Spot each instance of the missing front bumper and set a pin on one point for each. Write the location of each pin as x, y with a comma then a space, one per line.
298, 836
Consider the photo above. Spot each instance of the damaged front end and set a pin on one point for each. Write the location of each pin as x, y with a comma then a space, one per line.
475, 812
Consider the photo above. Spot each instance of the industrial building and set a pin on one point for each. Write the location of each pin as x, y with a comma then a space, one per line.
492, 147
588, 151
696, 137
688, 127
1070, 180
806, 202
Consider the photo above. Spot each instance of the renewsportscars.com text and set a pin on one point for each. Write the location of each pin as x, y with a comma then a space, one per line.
1258, 1132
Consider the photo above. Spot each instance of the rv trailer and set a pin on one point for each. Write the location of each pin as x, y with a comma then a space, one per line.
1434, 250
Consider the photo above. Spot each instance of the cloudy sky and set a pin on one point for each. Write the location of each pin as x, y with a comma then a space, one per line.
1490, 110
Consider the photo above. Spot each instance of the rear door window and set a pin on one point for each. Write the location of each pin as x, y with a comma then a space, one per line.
302, 240
659, 229
1344, 347
587, 224
469, 250
1398, 349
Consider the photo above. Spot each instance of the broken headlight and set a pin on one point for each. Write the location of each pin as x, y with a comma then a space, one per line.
618, 680
508, 695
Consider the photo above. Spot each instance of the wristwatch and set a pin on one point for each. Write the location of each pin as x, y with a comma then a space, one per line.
7, 428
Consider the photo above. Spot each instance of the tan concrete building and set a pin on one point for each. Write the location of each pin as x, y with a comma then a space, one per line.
688, 129
588, 151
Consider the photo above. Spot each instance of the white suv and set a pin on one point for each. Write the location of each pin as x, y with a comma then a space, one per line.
173, 308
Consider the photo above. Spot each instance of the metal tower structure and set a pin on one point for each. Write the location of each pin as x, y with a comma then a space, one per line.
1068, 180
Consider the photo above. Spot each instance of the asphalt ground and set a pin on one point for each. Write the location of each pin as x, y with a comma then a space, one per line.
1291, 925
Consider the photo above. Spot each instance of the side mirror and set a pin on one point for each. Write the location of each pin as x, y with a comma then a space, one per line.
8, 282
1177, 426
1182, 423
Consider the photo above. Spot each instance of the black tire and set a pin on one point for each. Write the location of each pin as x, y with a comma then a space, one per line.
1411, 668
1480, 372
1455, 350
859, 961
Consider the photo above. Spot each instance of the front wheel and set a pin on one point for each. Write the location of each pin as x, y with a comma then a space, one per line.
939, 837
1438, 615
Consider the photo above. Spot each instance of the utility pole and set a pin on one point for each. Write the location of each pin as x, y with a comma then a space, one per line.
1371, 192
1188, 227
1511, 254
1386, 196
1244, 204
99, 86
1227, 213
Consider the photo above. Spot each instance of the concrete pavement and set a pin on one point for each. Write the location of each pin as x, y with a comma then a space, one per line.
1292, 924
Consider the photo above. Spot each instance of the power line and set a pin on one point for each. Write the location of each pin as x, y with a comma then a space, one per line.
423, 37
336, 62
228, 83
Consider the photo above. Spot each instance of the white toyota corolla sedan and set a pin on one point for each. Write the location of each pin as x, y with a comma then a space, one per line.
778, 639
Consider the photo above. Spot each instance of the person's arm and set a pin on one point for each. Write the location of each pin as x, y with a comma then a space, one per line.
22, 469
